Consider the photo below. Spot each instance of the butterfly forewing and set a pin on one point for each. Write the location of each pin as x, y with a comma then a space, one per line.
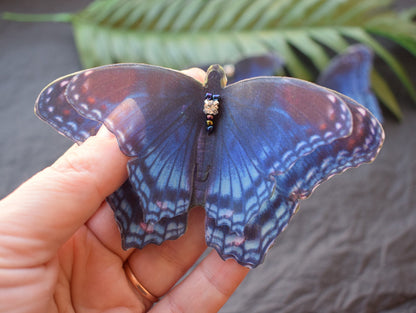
361, 146
53, 107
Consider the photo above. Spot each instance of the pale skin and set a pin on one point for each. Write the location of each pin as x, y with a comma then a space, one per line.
60, 248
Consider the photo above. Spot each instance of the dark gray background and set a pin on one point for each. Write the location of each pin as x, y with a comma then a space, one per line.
350, 249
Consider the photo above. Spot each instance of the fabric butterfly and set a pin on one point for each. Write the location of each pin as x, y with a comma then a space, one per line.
247, 152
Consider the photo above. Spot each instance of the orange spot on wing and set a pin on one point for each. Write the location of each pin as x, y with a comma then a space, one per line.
90, 100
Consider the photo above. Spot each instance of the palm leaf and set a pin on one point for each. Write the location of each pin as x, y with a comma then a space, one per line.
183, 33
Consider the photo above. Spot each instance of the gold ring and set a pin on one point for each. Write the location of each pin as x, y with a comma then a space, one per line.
138, 286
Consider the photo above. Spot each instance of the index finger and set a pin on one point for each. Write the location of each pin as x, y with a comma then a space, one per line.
54, 203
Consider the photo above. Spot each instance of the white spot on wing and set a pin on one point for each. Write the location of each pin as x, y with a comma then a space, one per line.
83, 106
328, 135
72, 125
331, 97
97, 113
84, 134
362, 111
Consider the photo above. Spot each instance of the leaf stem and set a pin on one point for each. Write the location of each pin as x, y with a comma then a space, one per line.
21, 17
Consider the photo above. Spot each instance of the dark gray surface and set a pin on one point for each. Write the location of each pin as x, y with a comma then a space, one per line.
351, 248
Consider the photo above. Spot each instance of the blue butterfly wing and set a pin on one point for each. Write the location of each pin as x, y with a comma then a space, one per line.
349, 74
153, 113
123, 117
53, 107
250, 248
308, 172
362, 146
136, 233
266, 125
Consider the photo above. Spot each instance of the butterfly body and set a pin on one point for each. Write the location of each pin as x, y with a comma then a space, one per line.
215, 82
272, 141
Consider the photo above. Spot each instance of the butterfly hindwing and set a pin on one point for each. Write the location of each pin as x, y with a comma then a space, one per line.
152, 111
250, 248
136, 233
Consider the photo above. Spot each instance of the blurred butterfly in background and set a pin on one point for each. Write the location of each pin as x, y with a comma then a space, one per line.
349, 74
247, 152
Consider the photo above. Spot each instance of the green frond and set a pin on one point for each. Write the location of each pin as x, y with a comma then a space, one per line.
324, 14
297, 13
279, 44
385, 94
274, 11
330, 38
361, 11
303, 42
399, 30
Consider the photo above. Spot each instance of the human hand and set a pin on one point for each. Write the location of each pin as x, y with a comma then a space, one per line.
60, 248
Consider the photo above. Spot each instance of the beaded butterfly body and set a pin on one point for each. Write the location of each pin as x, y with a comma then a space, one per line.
247, 152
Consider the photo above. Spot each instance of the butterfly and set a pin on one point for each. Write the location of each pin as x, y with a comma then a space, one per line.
349, 74
248, 152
